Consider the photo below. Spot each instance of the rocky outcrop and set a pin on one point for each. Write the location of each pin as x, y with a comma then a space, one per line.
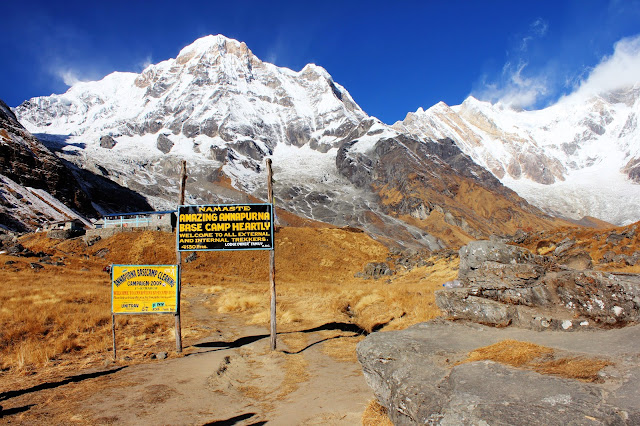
508, 285
416, 179
375, 270
417, 374
107, 142
164, 144
632, 169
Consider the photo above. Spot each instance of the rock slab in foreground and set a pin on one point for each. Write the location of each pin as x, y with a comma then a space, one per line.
413, 373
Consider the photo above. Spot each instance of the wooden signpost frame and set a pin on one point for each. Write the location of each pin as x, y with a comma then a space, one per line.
272, 269
272, 263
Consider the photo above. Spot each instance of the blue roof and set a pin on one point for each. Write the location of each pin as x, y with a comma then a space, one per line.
138, 213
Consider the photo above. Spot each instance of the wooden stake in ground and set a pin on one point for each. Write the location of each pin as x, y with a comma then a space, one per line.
183, 181
272, 260
113, 332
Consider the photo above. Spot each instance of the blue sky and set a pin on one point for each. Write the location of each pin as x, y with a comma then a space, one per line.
393, 57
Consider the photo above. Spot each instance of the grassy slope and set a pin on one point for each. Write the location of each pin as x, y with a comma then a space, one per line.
60, 315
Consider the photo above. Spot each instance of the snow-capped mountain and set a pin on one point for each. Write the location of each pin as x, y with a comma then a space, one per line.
578, 157
224, 110
215, 104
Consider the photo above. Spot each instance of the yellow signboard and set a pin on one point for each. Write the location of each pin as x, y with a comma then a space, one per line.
140, 289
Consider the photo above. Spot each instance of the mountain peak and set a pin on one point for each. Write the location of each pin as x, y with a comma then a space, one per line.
213, 44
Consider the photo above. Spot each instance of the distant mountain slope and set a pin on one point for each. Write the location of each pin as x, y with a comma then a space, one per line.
224, 110
35, 186
579, 157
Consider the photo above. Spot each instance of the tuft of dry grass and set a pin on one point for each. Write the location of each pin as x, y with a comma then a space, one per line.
375, 415
584, 369
510, 352
541, 359
236, 302
342, 347
296, 372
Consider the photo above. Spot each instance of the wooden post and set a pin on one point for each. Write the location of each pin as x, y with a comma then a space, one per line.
272, 260
113, 332
183, 181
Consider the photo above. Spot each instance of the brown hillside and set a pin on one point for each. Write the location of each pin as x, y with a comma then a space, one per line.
611, 249
59, 317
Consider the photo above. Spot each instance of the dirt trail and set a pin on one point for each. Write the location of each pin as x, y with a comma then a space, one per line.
230, 377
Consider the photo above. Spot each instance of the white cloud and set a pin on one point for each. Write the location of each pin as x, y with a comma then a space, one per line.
515, 90
68, 76
537, 29
619, 71
142, 65
519, 86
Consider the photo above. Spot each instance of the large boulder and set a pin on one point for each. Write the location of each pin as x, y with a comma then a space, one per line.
417, 374
508, 285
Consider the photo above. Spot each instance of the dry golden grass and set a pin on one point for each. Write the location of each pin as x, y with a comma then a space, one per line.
591, 240
342, 347
375, 415
369, 304
60, 315
63, 312
44, 322
296, 372
584, 369
510, 352
542, 359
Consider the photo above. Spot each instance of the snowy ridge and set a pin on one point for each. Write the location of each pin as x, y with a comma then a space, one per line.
213, 95
225, 111
570, 159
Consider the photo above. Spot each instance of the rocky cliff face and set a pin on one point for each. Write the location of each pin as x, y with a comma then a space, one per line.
37, 187
25, 162
578, 157
224, 110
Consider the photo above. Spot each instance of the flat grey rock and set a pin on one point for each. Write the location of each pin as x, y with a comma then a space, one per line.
413, 373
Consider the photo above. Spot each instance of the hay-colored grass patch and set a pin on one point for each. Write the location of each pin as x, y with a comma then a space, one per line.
510, 352
296, 373
235, 302
584, 369
541, 359
375, 415
342, 347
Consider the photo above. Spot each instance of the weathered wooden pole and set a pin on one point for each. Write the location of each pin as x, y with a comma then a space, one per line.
183, 182
113, 332
272, 259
